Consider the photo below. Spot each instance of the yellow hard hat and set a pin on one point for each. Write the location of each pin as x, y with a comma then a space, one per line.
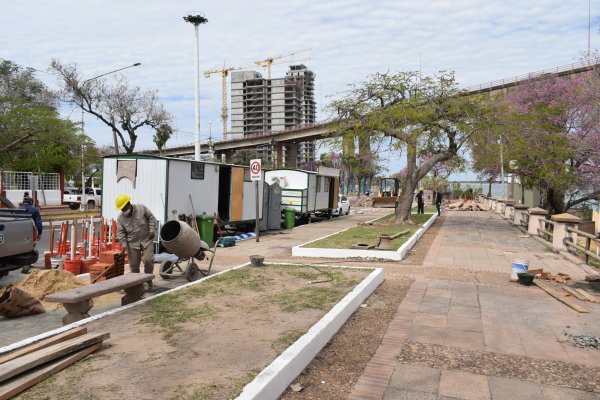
422, 189
122, 201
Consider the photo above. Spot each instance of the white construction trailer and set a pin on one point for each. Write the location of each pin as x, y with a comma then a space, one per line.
307, 192
172, 187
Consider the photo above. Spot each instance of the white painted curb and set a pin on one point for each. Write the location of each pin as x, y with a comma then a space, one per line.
300, 251
274, 379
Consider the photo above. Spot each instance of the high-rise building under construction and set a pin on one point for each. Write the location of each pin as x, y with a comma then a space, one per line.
269, 105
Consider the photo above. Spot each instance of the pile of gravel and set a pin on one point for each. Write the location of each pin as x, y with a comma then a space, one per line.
583, 341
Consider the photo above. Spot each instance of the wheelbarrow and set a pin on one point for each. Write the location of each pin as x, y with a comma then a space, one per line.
185, 244
172, 268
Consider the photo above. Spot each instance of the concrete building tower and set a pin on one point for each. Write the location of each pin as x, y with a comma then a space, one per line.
262, 105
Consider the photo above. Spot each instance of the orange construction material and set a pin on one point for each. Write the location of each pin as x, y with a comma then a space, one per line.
114, 234
73, 266
86, 263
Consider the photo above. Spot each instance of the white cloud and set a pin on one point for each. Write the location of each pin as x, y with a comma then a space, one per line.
482, 40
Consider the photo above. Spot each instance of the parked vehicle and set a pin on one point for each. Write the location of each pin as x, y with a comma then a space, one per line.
18, 236
91, 199
343, 207
308, 193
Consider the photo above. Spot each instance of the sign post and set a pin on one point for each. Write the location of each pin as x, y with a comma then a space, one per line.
256, 176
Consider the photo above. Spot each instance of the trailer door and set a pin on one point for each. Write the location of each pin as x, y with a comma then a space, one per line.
237, 194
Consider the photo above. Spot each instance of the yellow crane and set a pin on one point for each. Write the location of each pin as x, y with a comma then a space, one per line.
224, 111
267, 62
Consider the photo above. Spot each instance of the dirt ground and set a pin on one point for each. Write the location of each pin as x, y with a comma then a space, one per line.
207, 341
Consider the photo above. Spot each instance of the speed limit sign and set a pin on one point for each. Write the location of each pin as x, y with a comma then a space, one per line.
255, 170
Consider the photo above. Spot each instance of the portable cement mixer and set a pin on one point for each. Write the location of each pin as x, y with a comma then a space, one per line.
185, 243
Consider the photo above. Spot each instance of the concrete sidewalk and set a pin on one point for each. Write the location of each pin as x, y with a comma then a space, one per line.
457, 340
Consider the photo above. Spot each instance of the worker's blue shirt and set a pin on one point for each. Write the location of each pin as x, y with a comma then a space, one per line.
35, 215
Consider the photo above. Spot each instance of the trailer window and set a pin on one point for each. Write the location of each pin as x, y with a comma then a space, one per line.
197, 170
318, 184
326, 187
247, 175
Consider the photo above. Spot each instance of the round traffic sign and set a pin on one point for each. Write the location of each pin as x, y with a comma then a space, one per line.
255, 167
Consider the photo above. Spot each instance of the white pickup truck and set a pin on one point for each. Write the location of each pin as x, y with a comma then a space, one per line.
90, 199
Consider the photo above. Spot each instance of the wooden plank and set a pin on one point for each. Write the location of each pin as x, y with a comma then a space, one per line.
61, 337
25, 381
32, 360
568, 301
591, 298
574, 293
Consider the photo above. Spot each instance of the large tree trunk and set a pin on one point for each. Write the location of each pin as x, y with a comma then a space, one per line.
489, 194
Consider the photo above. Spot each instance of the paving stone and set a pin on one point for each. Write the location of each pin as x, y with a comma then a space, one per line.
416, 378
561, 393
464, 323
427, 334
430, 320
401, 394
514, 389
464, 385
434, 308
464, 311
436, 299
464, 339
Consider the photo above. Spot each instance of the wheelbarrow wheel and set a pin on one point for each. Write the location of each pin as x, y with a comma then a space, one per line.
166, 270
191, 272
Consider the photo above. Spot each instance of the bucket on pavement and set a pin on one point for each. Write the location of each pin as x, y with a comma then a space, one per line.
518, 266
57, 262
73, 266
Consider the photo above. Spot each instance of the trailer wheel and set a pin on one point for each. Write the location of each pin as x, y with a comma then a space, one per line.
191, 272
166, 270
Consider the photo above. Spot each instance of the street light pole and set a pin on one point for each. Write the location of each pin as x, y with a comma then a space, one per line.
82, 118
197, 20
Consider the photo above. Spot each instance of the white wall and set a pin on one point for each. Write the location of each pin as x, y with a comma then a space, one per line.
149, 187
204, 192
288, 178
53, 197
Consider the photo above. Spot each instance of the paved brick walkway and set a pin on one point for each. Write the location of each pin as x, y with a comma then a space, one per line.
479, 321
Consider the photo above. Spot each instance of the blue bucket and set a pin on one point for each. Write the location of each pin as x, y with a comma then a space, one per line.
518, 266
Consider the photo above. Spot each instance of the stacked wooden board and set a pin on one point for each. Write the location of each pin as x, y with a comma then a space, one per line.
24, 367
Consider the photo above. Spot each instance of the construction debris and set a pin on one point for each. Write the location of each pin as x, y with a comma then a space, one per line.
560, 297
592, 342
592, 278
467, 205
363, 201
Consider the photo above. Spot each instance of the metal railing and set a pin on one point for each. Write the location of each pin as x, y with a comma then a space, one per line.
546, 229
15, 180
589, 238
581, 65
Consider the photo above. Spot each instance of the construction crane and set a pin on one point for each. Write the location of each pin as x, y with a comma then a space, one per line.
266, 63
224, 72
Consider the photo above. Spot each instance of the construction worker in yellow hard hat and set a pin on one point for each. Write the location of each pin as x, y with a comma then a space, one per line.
136, 229
122, 201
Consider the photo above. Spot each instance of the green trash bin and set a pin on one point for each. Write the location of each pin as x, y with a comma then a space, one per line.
206, 226
289, 218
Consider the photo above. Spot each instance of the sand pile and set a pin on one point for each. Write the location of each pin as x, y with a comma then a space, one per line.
47, 281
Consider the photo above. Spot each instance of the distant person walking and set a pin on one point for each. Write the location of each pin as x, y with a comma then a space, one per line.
136, 229
438, 202
420, 202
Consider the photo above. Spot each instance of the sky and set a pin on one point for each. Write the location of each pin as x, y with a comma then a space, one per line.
480, 40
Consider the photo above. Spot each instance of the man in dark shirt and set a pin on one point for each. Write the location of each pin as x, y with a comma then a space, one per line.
420, 202
37, 219
438, 202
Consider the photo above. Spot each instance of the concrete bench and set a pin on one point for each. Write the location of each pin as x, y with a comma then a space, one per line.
79, 301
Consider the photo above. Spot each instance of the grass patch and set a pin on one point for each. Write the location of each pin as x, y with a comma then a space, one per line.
286, 339
307, 297
169, 311
370, 233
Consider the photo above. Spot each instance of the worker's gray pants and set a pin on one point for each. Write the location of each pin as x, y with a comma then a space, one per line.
146, 256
